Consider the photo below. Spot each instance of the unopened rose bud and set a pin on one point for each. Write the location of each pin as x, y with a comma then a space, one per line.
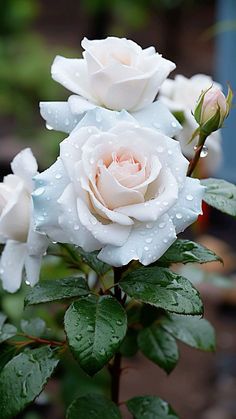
212, 109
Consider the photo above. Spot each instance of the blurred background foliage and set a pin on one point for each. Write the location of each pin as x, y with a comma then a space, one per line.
32, 32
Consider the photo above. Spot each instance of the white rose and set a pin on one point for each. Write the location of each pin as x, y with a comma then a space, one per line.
122, 190
115, 73
181, 94
23, 246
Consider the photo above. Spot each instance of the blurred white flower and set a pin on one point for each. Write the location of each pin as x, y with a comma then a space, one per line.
23, 246
118, 188
181, 95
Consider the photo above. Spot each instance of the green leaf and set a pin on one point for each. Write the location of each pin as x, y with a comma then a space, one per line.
7, 352
93, 406
129, 346
7, 330
3, 318
159, 346
193, 331
33, 327
221, 195
95, 327
58, 289
150, 407
164, 289
90, 258
23, 378
186, 251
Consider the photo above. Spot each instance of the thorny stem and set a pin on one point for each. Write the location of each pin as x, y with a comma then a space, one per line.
193, 163
115, 368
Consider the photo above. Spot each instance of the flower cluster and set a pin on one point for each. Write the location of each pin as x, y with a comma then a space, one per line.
119, 185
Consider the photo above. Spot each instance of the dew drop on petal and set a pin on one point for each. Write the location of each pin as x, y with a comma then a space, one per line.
178, 215
58, 176
39, 191
149, 240
189, 197
49, 127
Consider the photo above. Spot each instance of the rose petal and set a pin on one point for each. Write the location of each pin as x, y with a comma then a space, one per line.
113, 233
146, 243
25, 166
48, 188
11, 265
153, 208
157, 116
14, 219
72, 74
189, 205
59, 116
120, 195
70, 222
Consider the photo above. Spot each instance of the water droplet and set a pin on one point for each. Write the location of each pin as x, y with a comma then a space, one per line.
146, 248
160, 149
24, 389
58, 176
90, 328
19, 373
115, 339
165, 240
204, 151
40, 218
67, 121
102, 352
78, 337
49, 127
149, 240
91, 161
178, 215
161, 225
189, 197
170, 152
165, 203
76, 227
27, 282
39, 191
119, 322
174, 124
149, 225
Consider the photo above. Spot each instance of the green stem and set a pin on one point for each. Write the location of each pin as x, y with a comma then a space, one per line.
115, 368
193, 163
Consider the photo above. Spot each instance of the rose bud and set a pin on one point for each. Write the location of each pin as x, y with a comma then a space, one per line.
212, 109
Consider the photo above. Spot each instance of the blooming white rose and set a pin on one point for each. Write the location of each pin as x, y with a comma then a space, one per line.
115, 73
181, 94
23, 246
121, 189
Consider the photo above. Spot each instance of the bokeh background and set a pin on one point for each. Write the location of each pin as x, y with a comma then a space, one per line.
200, 37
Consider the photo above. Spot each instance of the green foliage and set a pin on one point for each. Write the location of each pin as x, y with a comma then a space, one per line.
33, 327
193, 331
56, 290
220, 195
7, 330
129, 346
162, 288
90, 258
93, 406
159, 346
186, 251
95, 328
6, 353
150, 407
23, 378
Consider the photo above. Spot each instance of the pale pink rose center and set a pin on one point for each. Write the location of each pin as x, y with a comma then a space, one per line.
123, 166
